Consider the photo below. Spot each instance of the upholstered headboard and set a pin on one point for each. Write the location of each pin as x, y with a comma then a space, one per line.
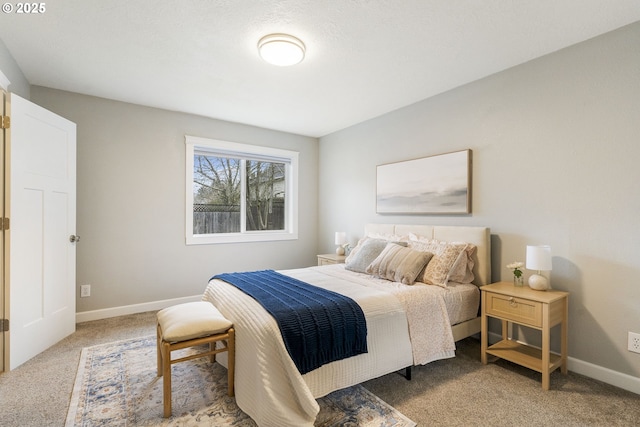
479, 236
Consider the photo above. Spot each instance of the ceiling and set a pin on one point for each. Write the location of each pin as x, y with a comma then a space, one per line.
364, 57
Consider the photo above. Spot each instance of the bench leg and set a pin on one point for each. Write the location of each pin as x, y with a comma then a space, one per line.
159, 349
231, 360
166, 378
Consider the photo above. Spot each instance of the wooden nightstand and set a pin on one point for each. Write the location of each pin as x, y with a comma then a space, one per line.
535, 309
326, 259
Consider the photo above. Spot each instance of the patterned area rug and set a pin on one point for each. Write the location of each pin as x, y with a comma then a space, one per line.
116, 385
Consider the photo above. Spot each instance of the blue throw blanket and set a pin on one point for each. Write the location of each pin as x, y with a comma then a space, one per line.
318, 326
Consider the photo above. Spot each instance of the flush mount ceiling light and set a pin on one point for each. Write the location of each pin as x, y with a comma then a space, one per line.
281, 49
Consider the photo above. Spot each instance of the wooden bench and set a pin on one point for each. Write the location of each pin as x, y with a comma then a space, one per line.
188, 325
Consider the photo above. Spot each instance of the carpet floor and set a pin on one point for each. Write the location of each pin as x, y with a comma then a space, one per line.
117, 385
453, 392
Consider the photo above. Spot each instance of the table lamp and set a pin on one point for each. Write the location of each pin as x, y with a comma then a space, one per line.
341, 239
539, 258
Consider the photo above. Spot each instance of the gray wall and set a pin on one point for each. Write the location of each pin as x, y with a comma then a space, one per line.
131, 202
556, 145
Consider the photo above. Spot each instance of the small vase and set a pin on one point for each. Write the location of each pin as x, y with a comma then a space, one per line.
518, 281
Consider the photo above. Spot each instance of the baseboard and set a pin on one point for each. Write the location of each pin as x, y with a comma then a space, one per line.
606, 375
85, 316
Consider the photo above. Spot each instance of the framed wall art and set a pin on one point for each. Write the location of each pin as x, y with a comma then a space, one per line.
438, 184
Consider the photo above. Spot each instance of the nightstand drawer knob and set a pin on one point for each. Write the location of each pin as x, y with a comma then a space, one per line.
512, 302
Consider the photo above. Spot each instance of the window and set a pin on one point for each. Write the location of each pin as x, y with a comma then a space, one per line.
239, 193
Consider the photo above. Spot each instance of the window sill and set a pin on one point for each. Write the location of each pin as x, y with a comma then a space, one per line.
262, 236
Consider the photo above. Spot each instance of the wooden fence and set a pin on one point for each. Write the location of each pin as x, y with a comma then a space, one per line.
213, 219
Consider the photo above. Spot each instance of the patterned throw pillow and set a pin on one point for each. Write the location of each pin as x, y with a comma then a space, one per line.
399, 264
451, 261
438, 270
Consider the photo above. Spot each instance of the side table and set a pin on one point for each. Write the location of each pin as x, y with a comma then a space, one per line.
539, 310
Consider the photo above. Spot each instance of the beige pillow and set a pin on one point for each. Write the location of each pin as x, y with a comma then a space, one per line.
399, 264
462, 270
439, 269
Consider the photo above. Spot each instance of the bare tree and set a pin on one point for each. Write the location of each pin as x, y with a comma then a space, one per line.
218, 180
264, 185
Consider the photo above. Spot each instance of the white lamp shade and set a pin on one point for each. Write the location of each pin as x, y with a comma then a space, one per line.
341, 238
539, 258
281, 49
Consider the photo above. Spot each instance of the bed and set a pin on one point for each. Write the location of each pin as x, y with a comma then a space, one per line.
270, 388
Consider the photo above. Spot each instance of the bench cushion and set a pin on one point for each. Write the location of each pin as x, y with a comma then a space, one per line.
191, 320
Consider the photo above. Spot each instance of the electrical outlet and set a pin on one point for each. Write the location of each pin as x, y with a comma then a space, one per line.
85, 291
634, 342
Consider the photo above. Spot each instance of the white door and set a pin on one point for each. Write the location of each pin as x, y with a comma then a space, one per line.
41, 205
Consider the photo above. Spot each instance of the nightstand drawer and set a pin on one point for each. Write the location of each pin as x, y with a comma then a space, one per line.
328, 259
514, 309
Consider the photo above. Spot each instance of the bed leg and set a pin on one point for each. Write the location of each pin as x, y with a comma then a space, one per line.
407, 373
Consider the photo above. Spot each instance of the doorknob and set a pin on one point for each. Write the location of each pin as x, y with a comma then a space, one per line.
73, 238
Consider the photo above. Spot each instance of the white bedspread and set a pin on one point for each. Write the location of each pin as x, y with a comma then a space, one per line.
268, 386
424, 305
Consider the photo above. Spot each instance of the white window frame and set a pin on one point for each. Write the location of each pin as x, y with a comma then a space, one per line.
218, 147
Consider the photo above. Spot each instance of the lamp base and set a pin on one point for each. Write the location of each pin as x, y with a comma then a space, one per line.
339, 250
538, 282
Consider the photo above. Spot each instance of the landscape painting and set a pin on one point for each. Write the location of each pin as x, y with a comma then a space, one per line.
438, 184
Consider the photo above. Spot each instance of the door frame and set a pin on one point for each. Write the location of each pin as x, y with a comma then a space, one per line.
4, 260
4, 296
